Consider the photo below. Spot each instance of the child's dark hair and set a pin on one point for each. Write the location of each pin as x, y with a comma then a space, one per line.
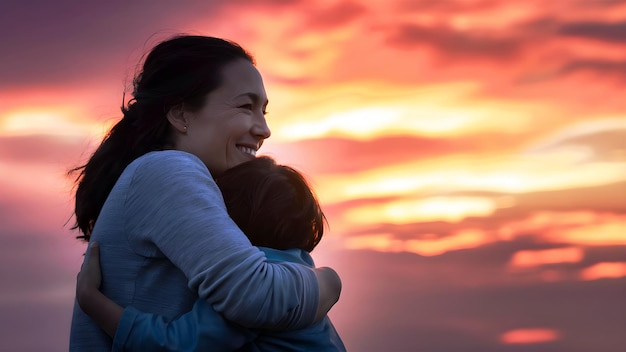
273, 205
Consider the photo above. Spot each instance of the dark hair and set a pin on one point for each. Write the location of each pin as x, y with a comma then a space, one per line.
272, 204
181, 70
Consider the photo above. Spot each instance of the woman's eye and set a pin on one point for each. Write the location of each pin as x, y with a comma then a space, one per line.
246, 106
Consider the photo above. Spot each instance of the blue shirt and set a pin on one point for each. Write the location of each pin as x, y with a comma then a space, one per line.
166, 239
203, 329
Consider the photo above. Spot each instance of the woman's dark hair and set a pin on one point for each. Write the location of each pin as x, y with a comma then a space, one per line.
181, 70
272, 204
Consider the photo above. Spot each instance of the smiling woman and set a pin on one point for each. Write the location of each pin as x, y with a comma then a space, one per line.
148, 197
231, 126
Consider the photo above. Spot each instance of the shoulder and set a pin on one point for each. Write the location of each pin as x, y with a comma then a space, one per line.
167, 159
169, 171
293, 255
168, 163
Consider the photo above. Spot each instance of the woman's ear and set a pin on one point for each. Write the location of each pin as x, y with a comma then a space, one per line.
176, 117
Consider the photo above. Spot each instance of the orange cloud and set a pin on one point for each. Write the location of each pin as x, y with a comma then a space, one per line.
406, 211
530, 336
380, 152
533, 258
32, 180
604, 270
610, 232
359, 110
45, 120
63, 112
575, 227
378, 228
458, 173
463, 239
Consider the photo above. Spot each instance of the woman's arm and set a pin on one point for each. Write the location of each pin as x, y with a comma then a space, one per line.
174, 204
101, 309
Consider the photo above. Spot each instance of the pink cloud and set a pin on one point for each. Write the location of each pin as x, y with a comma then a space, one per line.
530, 336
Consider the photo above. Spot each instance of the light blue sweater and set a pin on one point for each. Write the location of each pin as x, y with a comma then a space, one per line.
166, 238
203, 329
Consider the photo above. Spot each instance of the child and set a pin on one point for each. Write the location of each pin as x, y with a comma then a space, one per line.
274, 206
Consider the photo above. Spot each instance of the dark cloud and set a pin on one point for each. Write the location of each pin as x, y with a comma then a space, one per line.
333, 155
599, 3
275, 4
329, 155
446, 7
607, 70
38, 272
427, 301
63, 42
601, 199
602, 31
39, 259
35, 325
289, 81
594, 255
479, 7
419, 231
603, 67
10, 213
317, 16
333, 16
42, 214
25, 254
455, 43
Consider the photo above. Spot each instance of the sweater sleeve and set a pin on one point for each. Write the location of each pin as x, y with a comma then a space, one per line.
174, 207
201, 329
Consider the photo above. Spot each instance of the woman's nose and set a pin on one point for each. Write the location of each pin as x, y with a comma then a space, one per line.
261, 129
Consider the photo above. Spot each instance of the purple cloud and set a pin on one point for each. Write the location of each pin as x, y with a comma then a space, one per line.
601, 31
428, 303
75, 41
455, 43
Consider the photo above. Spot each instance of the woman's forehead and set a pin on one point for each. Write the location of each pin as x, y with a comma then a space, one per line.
241, 79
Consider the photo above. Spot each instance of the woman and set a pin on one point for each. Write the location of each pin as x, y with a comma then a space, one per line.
148, 197
276, 209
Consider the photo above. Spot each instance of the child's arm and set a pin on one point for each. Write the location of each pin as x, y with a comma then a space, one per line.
101, 309
201, 329
132, 330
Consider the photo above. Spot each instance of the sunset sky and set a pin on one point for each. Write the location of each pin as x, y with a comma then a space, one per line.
470, 156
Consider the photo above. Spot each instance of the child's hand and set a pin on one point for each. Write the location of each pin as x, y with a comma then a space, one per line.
89, 277
102, 310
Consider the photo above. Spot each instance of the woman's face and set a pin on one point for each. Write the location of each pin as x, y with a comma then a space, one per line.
231, 126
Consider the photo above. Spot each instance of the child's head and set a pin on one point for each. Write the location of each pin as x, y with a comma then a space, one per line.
273, 205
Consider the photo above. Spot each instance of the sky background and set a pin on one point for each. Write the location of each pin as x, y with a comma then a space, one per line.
470, 156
